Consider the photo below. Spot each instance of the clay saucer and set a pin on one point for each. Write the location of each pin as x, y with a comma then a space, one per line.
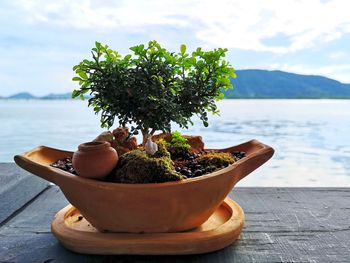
220, 230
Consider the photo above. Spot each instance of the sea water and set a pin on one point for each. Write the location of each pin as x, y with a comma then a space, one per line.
311, 137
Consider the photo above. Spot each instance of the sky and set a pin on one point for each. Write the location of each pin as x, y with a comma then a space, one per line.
41, 40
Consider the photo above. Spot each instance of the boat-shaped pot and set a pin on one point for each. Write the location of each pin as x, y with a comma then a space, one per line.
146, 208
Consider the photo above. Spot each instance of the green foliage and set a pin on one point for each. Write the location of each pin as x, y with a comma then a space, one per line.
153, 86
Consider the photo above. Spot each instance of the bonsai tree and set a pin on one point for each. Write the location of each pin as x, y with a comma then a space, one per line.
153, 87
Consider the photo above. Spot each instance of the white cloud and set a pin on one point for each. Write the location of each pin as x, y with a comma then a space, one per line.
226, 23
337, 55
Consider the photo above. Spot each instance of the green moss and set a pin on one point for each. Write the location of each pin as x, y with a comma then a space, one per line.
137, 167
179, 142
162, 149
176, 144
217, 159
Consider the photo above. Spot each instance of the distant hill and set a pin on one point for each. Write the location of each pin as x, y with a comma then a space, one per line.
22, 95
279, 84
54, 96
29, 96
254, 83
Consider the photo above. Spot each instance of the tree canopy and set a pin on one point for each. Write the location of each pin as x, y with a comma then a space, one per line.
153, 87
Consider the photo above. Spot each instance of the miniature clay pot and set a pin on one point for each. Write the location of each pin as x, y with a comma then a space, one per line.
94, 159
146, 208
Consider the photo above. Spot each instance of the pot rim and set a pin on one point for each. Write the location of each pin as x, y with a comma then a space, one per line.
93, 146
52, 174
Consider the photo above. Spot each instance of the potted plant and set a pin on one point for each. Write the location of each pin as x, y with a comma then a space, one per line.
150, 190
150, 89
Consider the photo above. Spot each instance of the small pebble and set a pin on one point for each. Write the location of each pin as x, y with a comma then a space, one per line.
198, 173
183, 171
186, 172
198, 166
64, 164
238, 155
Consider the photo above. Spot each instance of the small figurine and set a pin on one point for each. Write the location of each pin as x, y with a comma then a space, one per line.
151, 147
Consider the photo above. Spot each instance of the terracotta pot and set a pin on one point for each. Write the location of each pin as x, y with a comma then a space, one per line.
164, 207
94, 159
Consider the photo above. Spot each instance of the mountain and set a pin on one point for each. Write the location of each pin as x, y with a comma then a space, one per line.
253, 83
22, 95
51, 96
54, 96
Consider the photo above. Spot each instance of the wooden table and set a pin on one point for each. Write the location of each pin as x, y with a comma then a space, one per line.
282, 225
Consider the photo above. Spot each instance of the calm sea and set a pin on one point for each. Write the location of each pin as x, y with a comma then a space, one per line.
311, 137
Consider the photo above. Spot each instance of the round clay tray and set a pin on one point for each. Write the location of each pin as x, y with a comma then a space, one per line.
219, 231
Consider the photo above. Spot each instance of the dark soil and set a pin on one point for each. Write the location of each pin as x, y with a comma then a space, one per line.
238, 155
187, 164
65, 164
184, 163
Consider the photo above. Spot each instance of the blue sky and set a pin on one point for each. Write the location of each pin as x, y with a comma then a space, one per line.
41, 40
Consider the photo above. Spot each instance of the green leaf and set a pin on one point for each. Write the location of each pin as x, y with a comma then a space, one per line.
152, 98
98, 45
127, 57
220, 96
134, 48
183, 48
82, 74
76, 79
193, 60
75, 93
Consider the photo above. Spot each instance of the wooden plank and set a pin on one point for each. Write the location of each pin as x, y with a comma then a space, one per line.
17, 187
295, 224
282, 225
